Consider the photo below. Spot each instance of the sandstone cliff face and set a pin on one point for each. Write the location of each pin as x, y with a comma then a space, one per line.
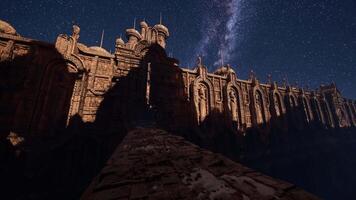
152, 164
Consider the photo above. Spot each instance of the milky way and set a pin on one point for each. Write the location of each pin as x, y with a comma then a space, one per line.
222, 27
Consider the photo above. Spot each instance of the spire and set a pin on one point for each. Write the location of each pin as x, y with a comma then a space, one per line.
102, 38
252, 74
286, 79
134, 23
160, 18
269, 78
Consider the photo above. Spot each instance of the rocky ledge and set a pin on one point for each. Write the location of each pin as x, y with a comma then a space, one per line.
152, 164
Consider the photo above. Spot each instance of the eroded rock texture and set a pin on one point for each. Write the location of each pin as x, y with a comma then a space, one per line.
152, 164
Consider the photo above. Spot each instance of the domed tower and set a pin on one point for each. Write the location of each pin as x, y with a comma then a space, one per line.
119, 42
144, 29
133, 36
163, 34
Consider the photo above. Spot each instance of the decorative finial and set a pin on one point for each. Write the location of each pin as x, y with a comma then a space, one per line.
200, 62
76, 31
102, 38
269, 78
252, 74
134, 23
284, 82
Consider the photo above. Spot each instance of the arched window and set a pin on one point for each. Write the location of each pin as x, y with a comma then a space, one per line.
259, 108
317, 110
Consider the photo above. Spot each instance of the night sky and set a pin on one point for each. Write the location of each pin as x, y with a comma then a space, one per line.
310, 42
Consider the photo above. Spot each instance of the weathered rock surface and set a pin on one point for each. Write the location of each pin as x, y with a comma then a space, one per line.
152, 164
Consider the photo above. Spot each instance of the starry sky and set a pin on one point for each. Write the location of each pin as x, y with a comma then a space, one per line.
309, 42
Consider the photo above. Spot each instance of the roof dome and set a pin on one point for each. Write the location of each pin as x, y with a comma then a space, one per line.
143, 24
99, 49
7, 28
119, 41
133, 32
162, 28
224, 70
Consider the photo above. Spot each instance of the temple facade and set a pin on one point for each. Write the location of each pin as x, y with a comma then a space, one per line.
45, 87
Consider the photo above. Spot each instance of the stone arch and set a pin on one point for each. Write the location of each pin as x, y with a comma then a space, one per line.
78, 64
234, 91
202, 88
259, 107
306, 108
327, 113
317, 111
277, 105
150, 52
142, 47
291, 102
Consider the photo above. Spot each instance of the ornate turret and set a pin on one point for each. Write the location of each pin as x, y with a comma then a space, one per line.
144, 27
163, 34
133, 36
119, 42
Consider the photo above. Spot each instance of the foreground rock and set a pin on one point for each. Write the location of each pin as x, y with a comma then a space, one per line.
152, 164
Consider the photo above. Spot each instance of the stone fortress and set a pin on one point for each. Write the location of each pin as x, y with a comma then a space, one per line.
65, 107
139, 76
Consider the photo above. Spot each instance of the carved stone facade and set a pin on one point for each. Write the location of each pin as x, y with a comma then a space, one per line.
45, 86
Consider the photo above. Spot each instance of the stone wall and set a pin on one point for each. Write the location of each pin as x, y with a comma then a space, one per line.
45, 85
